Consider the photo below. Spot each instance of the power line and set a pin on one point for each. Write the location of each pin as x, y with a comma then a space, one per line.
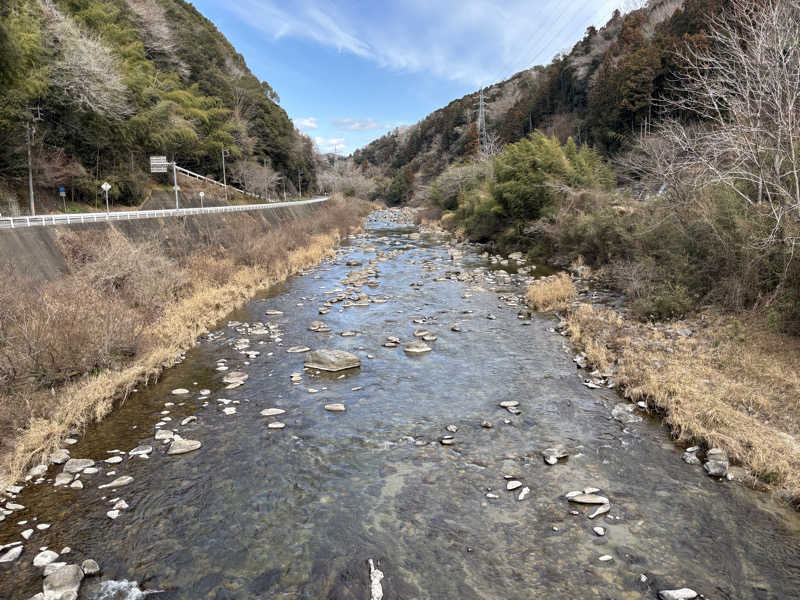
570, 22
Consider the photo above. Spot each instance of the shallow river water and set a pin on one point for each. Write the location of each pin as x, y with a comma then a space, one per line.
298, 512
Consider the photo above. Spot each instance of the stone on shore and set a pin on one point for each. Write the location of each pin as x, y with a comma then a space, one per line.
331, 360
183, 446
59, 457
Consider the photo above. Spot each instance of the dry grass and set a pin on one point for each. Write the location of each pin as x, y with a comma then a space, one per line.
732, 385
196, 290
555, 292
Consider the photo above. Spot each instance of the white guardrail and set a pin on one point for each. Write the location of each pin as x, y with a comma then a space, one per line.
128, 215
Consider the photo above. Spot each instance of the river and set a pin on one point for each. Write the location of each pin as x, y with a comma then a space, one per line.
297, 513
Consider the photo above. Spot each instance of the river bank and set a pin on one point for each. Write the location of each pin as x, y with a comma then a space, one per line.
128, 309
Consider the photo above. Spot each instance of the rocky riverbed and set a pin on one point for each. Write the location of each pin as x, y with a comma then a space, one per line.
391, 424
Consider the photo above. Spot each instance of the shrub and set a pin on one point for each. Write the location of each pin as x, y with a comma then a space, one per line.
555, 292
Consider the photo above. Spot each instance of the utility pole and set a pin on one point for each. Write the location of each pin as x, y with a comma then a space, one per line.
30, 130
224, 178
266, 191
299, 188
175, 180
284, 188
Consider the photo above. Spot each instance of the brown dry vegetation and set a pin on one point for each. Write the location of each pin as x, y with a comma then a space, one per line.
555, 292
127, 309
732, 384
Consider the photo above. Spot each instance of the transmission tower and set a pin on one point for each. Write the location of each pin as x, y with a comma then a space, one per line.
482, 120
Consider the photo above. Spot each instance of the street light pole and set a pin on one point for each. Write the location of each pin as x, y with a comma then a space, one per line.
105, 187
30, 169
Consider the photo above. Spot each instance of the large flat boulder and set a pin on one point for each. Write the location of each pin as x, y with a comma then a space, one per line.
332, 360
64, 583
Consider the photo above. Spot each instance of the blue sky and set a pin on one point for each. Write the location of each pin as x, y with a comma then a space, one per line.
349, 71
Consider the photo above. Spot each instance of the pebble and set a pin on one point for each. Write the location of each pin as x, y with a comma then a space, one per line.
599, 531
513, 485
180, 392
76, 485
276, 425
524, 493
27, 534
601, 510
605, 558
141, 451
335, 407
90, 567
188, 420
112, 514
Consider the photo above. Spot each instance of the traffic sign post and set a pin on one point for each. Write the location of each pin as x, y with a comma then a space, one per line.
202, 195
159, 164
105, 187
63, 193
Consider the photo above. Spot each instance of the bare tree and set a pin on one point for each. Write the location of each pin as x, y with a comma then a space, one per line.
84, 70
346, 178
741, 93
254, 177
157, 36
492, 146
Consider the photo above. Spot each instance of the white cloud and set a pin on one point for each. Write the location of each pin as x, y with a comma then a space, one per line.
308, 123
326, 145
477, 41
356, 124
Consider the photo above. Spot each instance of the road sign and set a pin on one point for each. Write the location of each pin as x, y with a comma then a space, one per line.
158, 164
106, 186
62, 192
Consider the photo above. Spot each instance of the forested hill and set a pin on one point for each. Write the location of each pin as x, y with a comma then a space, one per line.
602, 92
106, 83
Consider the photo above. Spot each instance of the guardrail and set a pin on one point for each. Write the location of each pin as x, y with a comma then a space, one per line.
128, 215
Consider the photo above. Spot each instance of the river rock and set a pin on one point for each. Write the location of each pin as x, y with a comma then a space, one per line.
509, 404
44, 558
11, 555
183, 446
76, 485
235, 377
335, 407
114, 460
551, 455
716, 468
180, 392
272, 412
118, 482
600, 510
513, 485
599, 531
331, 360
298, 349
589, 499
52, 568
690, 458
141, 451
63, 479
623, 413
59, 457
90, 567
681, 594
276, 425
64, 583
524, 493
37, 471
164, 435
416, 348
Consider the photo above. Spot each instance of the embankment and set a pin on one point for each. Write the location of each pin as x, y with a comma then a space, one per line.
91, 311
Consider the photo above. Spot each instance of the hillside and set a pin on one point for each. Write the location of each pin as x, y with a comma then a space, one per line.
107, 83
602, 92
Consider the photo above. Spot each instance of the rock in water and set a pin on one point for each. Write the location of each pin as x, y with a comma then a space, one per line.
44, 558
589, 499
118, 482
63, 583
11, 555
90, 567
417, 348
331, 360
600, 510
76, 465
183, 446
335, 407
272, 412
681, 594
375, 576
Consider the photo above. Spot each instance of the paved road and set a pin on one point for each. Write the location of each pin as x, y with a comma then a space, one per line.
64, 219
